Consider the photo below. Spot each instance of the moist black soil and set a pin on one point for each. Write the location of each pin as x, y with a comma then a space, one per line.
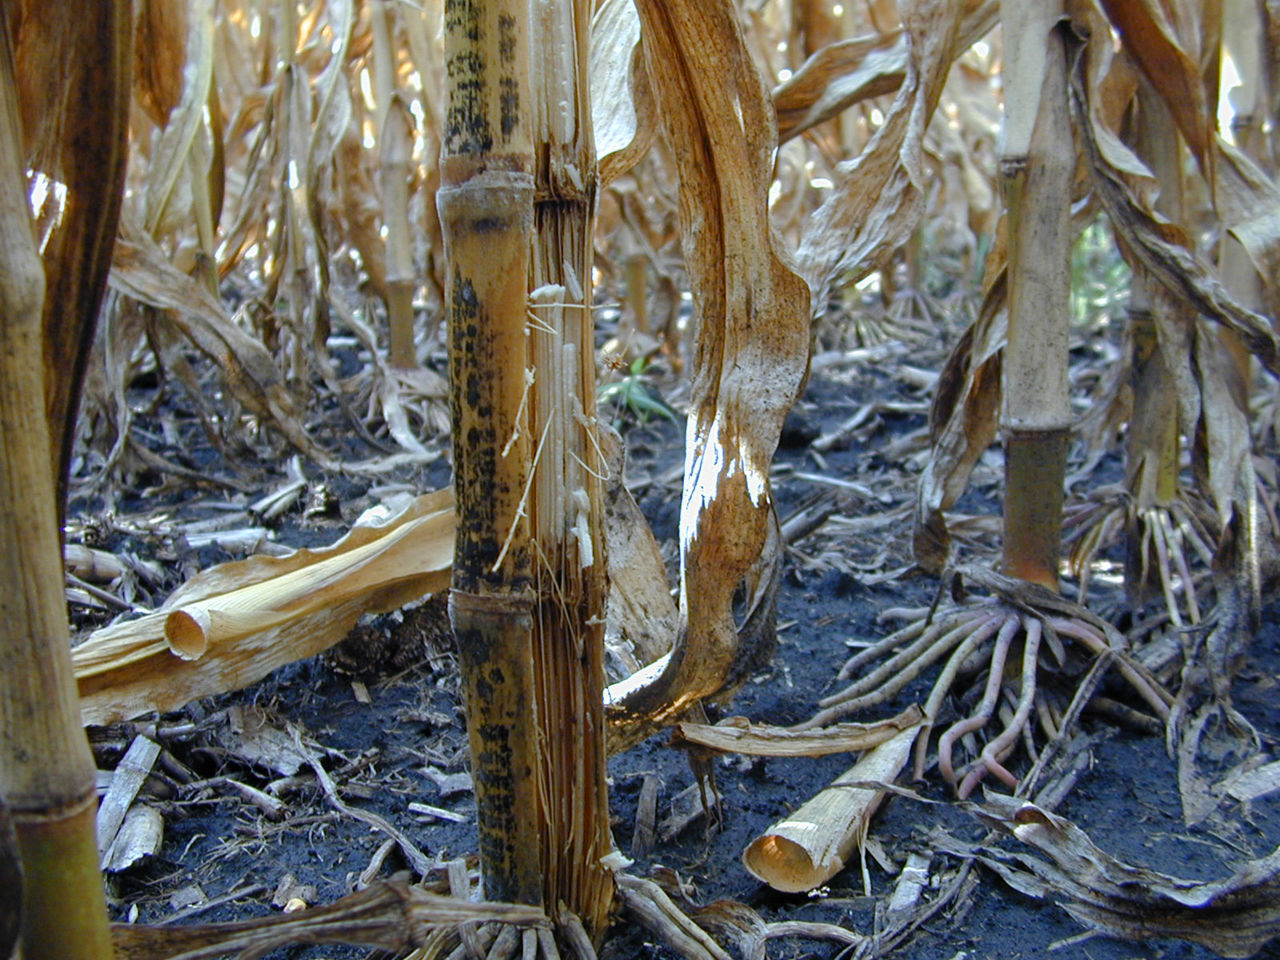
222, 859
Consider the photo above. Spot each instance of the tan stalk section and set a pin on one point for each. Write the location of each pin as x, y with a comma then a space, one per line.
73, 63
397, 150
565, 503
813, 844
1036, 166
233, 624
751, 353
395, 140
46, 770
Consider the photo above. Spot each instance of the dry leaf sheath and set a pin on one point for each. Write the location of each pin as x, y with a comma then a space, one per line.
751, 353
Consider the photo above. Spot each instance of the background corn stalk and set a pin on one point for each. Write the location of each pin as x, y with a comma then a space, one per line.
50, 134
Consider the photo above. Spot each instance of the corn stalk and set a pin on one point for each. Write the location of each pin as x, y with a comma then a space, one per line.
1036, 164
395, 137
527, 599
1153, 441
46, 769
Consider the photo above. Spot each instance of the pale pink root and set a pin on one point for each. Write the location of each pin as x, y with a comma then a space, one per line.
1000, 747
979, 718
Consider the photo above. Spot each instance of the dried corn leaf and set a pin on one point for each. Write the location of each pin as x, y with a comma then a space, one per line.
140, 270
1235, 917
1163, 248
159, 55
752, 333
1153, 44
640, 615
965, 415
333, 113
879, 196
740, 735
73, 71
1249, 202
168, 196
812, 845
235, 623
849, 71
622, 111
838, 76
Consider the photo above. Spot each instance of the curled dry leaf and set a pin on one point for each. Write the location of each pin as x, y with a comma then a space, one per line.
236, 622
159, 56
1163, 248
740, 735
1153, 44
640, 615
838, 76
140, 270
752, 334
179, 155
1249, 201
79, 142
849, 71
965, 414
622, 111
1234, 917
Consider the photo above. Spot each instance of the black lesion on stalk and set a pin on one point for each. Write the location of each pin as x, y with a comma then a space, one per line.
508, 31
463, 17
466, 121
492, 775
476, 452
509, 105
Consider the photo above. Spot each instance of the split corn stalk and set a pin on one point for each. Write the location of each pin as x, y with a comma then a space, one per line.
527, 600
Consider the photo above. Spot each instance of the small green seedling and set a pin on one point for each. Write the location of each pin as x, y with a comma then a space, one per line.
631, 395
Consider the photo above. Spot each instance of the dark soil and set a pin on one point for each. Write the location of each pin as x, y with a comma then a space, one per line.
223, 860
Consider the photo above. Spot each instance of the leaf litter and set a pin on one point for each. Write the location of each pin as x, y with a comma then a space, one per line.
836, 579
